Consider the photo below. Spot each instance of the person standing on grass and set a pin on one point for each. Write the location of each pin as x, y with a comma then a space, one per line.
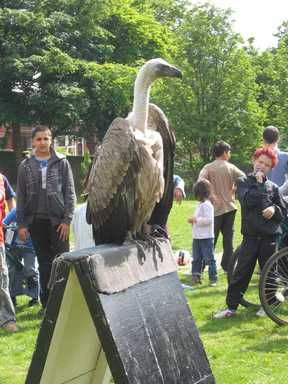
203, 234
263, 209
7, 312
27, 257
222, 175
45, 203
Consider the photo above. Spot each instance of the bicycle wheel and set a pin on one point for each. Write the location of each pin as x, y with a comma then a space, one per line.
273, 287
251, 295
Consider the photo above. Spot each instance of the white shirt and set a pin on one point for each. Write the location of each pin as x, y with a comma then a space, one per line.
204, 226
82, 230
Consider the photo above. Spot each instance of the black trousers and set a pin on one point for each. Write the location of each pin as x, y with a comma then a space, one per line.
225, 224
47, 246
252, 249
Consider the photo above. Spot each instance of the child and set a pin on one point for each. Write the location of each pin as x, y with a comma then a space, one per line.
263, 210
30, 268
203, 234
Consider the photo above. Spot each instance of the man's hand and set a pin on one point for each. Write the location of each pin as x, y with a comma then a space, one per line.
23, 234
192, 220
178, 195
268, 213
63, 231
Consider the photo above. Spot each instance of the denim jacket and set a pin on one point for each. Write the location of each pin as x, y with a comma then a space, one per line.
60, 190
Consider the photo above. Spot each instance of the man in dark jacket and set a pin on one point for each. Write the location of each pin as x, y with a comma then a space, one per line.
263, 210
45, 203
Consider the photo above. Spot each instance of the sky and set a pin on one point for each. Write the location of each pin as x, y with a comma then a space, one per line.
256, 18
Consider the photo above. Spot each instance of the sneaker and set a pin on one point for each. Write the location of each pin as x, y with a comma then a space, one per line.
213, 283
225, 314
10, 327
33, 302
261, 312
188, 287
196, 280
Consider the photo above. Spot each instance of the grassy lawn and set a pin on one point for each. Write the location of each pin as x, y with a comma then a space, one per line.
242, 350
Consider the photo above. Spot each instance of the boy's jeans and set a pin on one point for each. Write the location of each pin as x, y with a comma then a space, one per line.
203, 250
7, 313
30, 273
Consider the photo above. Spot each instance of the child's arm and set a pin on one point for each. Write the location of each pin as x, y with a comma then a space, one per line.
10, 218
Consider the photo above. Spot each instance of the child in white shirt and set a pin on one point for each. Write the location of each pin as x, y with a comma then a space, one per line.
203, 234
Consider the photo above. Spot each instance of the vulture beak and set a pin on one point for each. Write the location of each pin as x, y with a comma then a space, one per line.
169, 71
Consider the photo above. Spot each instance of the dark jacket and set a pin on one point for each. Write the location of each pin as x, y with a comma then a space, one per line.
254, 197
61, 198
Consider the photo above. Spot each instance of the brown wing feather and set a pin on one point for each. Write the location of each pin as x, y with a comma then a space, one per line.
113, 172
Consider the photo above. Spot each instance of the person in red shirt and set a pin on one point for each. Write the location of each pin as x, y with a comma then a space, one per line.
7, 312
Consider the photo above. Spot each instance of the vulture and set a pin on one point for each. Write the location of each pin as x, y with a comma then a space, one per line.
132, 172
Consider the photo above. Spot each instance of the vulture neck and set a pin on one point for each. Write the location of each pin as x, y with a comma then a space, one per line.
141, 101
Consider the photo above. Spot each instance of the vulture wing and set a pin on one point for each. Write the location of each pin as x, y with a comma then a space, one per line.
112, 184
157, 120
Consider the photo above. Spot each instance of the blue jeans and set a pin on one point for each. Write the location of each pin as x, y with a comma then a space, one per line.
203, 251
7, 313
28, 273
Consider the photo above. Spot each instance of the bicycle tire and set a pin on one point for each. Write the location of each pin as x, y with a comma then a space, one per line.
273, 282
231, 268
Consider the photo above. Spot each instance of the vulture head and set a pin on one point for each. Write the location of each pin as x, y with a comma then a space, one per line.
158, 68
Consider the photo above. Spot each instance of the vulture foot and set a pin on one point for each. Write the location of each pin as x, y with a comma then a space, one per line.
152, 241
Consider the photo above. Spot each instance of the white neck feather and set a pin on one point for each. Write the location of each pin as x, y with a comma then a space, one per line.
141, 100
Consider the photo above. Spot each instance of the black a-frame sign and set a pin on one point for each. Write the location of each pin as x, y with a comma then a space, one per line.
111, 311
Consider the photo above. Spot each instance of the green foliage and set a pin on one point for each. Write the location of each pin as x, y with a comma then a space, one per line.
49, 50
218, 93
109, 88
272, 75
136, 35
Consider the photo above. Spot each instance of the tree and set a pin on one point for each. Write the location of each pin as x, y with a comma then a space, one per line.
218, 93
272, 77
109, 87
136, 35
54, 62
39, 49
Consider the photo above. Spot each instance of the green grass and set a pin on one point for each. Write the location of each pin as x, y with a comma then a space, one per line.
180, 230
16, 349
241, 350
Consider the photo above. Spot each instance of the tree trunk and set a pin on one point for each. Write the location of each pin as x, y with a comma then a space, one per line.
17, 142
